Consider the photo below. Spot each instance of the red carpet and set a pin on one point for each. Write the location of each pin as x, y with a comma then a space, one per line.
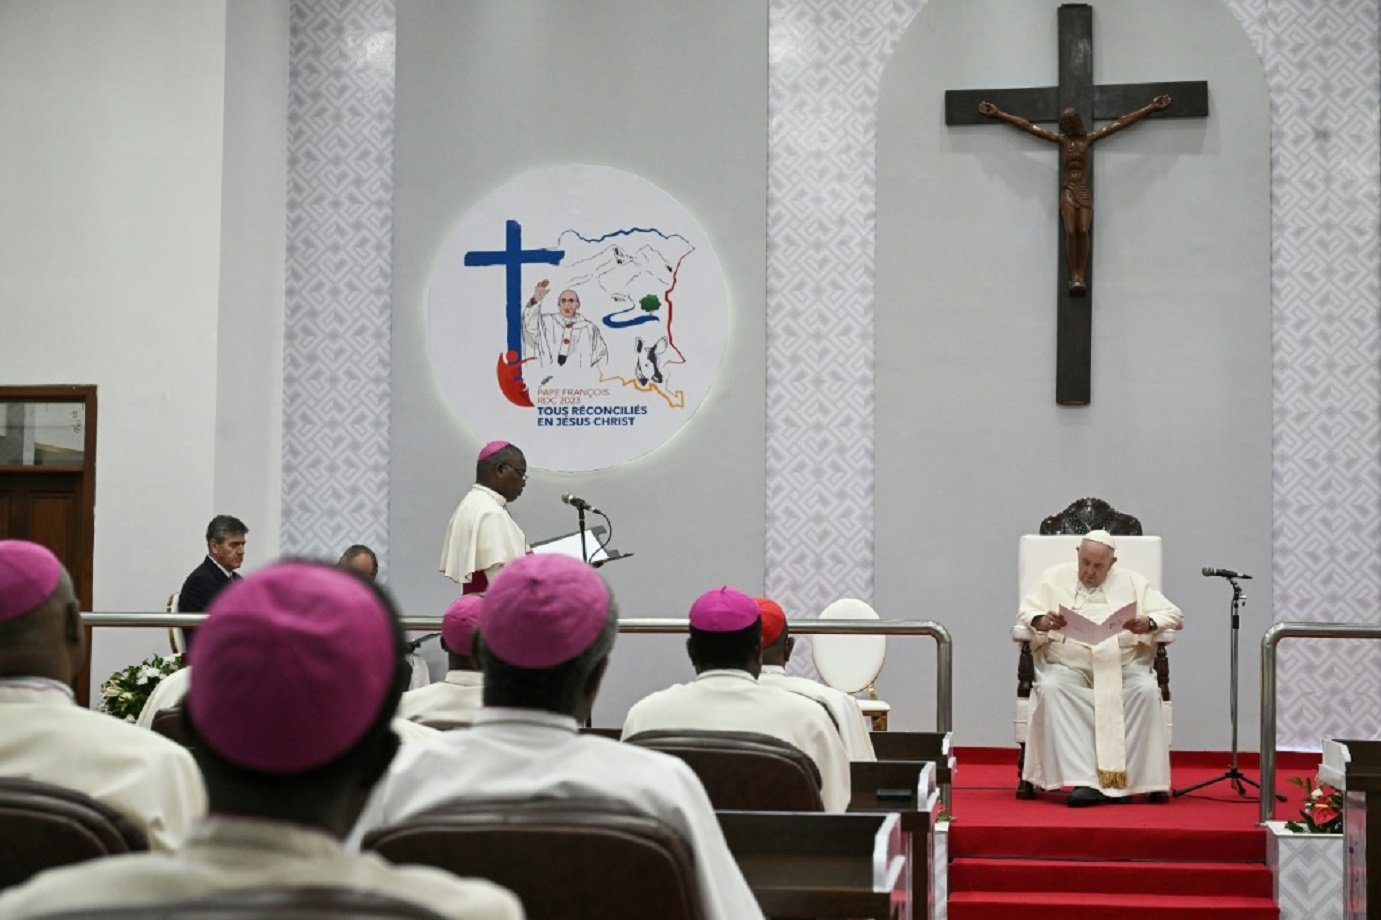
1198, 855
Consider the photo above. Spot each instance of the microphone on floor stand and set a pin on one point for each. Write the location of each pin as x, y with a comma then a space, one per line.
1223, 573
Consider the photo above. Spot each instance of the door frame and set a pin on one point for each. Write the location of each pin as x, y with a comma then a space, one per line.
86, 537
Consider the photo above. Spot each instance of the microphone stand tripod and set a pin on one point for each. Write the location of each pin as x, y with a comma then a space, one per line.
584, 552
1236, 776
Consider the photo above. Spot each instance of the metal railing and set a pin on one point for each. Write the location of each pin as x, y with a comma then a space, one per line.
944, 643
1269, 641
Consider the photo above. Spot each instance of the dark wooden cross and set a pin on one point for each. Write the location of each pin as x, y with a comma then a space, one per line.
1093, 102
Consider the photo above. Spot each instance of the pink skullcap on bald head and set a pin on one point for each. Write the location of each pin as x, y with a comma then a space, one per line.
542, 610
723, 609
293, 665
490, 449
458, 625
29, 574
773, 619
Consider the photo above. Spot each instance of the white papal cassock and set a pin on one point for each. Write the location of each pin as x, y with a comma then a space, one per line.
1060, 745
225, 854
481, 537
46, 736
455, 699
843, 709
525, 753
733, 701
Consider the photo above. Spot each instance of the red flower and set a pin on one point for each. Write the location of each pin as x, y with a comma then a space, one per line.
1322, 814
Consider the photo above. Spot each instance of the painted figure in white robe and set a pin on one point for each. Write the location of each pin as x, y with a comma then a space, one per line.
725, 648
45, 736
289, 750
457, 697
482, 536
547, 627
1096, 721
564, 340
843, 709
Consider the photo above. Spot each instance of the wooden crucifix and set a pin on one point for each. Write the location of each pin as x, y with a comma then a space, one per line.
1075, 102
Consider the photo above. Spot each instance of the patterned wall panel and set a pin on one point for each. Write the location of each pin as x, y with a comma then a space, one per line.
1321, 65
825, 68
339, 276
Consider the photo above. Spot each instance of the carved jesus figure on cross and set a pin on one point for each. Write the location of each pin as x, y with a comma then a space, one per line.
1076, 197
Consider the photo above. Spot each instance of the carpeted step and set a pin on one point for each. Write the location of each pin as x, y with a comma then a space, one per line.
1133, 877
1247, 845
1039, 905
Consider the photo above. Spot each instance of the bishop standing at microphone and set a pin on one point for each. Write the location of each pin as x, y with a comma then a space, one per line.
482, 536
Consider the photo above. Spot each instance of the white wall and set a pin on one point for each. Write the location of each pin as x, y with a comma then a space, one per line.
249, 333
110, 249
115, 118
972, 450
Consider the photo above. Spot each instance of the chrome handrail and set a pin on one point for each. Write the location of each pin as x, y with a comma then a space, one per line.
1269, 641
944, 642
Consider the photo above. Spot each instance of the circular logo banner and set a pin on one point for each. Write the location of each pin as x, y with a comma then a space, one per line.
578, 311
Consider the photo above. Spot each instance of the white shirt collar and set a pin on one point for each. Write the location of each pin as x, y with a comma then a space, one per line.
503, 715
33, 689
491, 493
715, 673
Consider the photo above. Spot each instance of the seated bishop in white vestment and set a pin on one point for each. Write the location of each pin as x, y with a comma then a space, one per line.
1096, 721
726, 648
459, 695
46, 736
777, 643
286, 746
546, 629
173, 689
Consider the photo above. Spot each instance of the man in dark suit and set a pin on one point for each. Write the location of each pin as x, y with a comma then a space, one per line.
225, 552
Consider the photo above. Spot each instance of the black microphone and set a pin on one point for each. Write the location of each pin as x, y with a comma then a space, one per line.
578, 503
1223, 573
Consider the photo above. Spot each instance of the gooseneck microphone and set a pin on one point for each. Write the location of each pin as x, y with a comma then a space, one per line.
578, 503
1223, 573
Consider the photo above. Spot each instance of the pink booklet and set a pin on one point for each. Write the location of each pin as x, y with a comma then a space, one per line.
1081, 629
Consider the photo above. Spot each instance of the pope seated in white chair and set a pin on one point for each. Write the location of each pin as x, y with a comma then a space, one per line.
1096, 721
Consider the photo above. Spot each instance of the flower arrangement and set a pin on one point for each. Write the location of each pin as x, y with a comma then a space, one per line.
125, 692
1322, 811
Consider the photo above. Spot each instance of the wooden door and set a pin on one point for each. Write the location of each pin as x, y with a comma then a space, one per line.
48, 494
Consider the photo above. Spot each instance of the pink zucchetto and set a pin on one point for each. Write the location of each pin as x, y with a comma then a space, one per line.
773, 619
723, 609
459, 623
292, 666
490, 449
542, 610
29, 574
